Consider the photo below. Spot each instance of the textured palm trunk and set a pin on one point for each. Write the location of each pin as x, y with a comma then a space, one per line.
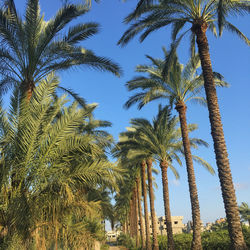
164, 167
142, 226
196, 243
133, 222
144, 190
29, 87
225, 176
152, 206
130, 218
127, 226
124, 227
136, 217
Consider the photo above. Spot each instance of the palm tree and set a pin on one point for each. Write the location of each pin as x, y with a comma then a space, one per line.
200, 16
180, 86
142, 223
162, 141
34, 47
48, 164
121, 151
126, 146
245, 212
127, 197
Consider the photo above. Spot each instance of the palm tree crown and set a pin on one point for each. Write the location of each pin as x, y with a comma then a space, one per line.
181, 14
180, 85
35, 47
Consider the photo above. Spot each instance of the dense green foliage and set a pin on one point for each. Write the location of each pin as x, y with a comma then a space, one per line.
245, 212
216, 240
127, 241
56, 179
54, 170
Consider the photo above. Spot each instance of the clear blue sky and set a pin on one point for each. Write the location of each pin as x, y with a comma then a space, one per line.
230, 56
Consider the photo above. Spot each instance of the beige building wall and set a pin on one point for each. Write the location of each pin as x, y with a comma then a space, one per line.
177, 225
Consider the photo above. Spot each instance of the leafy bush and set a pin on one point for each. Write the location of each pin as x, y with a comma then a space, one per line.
217, 240
182, 241
246, 232
127, 241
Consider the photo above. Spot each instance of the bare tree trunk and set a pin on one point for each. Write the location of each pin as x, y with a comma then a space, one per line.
142, 226
164, 167
225, 176
136, 217
144, 190
127, 225
196, 242
130, 218
124, 227
152, 206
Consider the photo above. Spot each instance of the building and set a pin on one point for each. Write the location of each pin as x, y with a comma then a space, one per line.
177, 225
188, 228
112, 236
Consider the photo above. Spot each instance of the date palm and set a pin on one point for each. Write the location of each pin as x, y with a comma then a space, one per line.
181, 85
197, 17
48, 162
143, 161
122, 151
245, 212
32, 47
162, 141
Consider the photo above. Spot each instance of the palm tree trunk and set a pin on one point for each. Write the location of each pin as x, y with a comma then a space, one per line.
142, 226
127, 226
225, 176
164, 167
144, 190
136, 217
196, 243
130, 218
28, 88
124, 227
152, 206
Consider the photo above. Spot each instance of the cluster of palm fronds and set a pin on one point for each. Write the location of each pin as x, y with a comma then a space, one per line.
54, 171
55, 177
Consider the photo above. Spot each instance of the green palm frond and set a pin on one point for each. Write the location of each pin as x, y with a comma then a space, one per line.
34, 48
49, 161
205, 164
150, 16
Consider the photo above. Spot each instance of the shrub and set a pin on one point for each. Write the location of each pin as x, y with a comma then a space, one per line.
182, 241
127, 241
217, 240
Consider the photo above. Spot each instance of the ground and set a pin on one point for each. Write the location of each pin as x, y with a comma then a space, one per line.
116, 248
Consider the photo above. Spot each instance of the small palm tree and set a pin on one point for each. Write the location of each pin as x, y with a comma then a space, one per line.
245, 212
181, 85
196, 17
33, 47
48, 163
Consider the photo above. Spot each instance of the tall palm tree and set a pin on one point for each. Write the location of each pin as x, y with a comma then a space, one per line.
126, 145
34, 47
162, 141
200, 16
121, 151
127, 197
142, 223
180, 86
